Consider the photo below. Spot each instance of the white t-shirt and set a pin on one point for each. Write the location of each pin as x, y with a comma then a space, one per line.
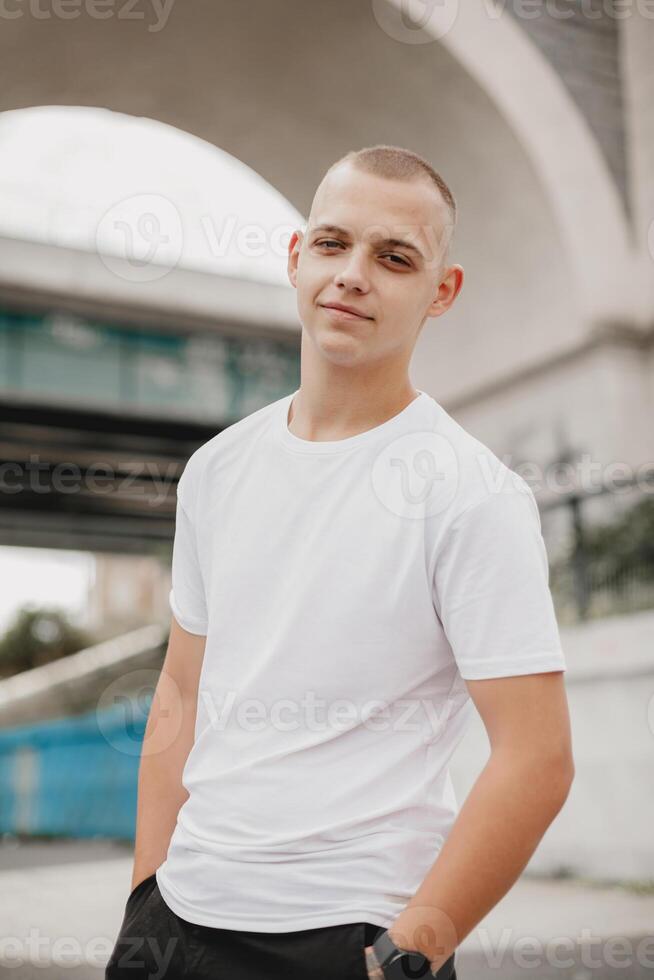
346, 588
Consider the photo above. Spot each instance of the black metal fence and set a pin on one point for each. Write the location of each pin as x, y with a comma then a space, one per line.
595, 591
607, 567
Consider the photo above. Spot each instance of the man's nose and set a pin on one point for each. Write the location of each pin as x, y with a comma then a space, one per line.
353, 274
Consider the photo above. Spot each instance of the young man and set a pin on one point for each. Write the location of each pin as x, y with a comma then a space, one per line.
352, 572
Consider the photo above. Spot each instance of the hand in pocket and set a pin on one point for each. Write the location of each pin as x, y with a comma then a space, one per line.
138, 888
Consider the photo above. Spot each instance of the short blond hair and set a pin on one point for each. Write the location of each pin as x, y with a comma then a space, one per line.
398, 163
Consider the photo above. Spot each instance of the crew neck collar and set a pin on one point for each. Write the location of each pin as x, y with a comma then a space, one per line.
296, 444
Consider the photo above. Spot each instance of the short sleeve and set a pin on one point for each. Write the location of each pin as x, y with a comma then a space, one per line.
491, 589
187, 596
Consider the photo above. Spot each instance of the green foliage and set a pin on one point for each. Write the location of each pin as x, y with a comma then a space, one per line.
625, 543
613, 573
39, 635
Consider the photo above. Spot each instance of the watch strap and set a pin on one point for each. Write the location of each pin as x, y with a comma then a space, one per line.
390, 957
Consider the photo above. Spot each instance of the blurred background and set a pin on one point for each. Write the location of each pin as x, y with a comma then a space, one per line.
155, 157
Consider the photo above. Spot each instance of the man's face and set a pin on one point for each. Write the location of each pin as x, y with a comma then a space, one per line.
343, 258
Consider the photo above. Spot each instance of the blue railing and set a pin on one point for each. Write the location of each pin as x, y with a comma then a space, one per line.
73, 776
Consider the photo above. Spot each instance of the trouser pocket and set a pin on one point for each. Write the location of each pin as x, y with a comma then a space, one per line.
149, 942
140, 887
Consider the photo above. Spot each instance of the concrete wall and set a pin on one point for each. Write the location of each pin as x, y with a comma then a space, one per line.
637, 54
581, 40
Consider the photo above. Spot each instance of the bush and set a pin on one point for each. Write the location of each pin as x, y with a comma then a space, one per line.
38, 636
625, 543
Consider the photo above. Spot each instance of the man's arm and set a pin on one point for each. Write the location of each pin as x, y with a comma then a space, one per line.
521, 789
169, 736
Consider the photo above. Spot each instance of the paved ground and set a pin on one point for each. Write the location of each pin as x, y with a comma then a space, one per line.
63, 903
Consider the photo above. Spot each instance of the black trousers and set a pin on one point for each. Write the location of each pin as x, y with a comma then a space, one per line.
157, 944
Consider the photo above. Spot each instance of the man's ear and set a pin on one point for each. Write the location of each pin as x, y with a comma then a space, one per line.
294, 246
448, 290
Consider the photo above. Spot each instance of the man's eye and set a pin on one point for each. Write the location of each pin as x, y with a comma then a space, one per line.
391, 255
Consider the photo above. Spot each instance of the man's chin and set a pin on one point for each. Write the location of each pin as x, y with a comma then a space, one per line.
340, 347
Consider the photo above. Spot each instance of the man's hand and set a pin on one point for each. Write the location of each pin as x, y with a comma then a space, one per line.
372, 964
138, 878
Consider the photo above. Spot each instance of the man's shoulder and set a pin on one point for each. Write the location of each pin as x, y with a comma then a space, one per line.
218, 447
480, 473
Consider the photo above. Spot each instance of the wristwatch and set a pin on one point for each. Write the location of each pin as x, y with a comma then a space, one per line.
397, 963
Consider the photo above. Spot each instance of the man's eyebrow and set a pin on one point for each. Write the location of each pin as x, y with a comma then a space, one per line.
388, 242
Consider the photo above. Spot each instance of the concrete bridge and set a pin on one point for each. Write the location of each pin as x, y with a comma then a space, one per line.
540, 119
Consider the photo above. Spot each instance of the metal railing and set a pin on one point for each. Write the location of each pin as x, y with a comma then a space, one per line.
596, 591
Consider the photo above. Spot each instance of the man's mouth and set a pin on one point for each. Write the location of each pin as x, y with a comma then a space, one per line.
339, 310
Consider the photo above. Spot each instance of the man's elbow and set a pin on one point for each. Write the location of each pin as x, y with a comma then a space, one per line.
549, 773
561, 774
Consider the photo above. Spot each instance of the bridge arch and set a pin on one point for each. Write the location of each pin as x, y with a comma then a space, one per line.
286, 88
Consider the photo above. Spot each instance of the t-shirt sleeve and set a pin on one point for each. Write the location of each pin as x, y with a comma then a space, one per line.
491, 589
187, 597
